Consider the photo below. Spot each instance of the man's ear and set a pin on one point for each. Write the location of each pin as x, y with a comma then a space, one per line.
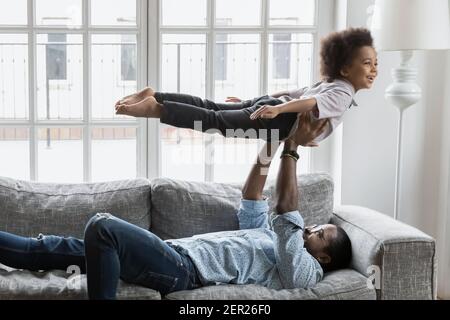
323, 258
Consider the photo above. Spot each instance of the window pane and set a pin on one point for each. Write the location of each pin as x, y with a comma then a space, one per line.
292, 12
290, 61
237, 58
60, 76
113, 154
233, 158
113, 12
15, 153
13, 76
184, 63
13, 12
61, 12
114, 72
183, 154
183, 13
183, 70
60, 155
249, 12
302, 164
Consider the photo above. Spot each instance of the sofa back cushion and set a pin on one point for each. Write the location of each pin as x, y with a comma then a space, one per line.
30, 208
182, 209
315, 197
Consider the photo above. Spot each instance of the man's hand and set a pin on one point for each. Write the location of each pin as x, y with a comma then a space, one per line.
266, 112
308, 130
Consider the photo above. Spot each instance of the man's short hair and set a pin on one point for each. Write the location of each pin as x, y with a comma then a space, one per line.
339, 250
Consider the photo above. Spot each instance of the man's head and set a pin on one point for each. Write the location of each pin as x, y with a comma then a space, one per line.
328, 244
349, 55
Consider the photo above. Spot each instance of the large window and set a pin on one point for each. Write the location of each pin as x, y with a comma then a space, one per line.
63, 64
216, 51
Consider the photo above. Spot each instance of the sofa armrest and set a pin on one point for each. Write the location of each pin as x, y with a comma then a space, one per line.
399, 260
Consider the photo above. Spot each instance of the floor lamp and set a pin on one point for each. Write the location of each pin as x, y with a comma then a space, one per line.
405, 26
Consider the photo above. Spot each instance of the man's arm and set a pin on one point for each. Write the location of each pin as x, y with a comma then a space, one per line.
257, 177
297, 268
286, 186
253, 209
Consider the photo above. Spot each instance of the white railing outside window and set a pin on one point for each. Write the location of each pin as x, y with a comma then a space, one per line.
228, 48
63, 64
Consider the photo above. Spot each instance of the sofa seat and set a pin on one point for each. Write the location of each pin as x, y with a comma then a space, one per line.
346, 284
402, 257
59, 285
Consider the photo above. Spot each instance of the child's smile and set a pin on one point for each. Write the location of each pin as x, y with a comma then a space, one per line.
363, 69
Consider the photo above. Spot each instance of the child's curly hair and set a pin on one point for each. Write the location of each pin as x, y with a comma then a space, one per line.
338, 50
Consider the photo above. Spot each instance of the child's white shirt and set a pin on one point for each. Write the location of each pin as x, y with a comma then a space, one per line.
333, 99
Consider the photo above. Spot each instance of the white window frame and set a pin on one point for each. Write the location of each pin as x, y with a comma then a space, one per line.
33, 124
321, 27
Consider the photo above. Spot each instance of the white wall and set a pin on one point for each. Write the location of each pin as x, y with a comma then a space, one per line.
370, 138
368, 160
328, 156
369, 146
444, 196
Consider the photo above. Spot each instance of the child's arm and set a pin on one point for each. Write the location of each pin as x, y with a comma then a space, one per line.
233, 99
297, 105
280, 93
275, 95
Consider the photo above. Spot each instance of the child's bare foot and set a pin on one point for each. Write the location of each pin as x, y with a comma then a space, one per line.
147, 108
136, 97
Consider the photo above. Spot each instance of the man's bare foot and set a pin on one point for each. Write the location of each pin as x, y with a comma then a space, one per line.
146, 108
137, 97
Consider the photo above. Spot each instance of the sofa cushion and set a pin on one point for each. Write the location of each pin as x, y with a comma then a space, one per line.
30, 208
315, 197
400, 258
182, 209
59, 285
343, 284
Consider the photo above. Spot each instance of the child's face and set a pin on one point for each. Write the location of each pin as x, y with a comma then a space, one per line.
363, 69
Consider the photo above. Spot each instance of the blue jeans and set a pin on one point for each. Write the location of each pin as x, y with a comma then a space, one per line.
112, 249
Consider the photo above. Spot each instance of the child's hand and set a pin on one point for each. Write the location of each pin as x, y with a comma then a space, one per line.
233, 99
266, 112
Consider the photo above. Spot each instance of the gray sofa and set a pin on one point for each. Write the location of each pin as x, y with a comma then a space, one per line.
391, 260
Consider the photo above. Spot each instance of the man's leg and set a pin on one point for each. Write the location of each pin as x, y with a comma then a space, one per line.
117, 249
41, 253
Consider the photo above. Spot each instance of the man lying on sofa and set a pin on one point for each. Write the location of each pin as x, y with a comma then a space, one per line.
283, 254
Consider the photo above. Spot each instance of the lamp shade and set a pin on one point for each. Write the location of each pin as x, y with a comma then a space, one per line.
411, 25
